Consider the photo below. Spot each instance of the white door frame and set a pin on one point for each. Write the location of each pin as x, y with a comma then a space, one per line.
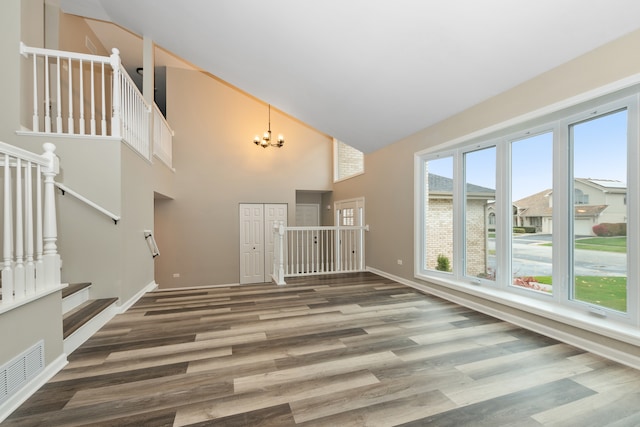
256, 222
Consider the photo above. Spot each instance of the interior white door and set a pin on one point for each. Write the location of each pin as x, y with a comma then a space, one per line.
350, 213
256, 240
251, 243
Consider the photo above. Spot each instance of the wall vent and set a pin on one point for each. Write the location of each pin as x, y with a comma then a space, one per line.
17, 372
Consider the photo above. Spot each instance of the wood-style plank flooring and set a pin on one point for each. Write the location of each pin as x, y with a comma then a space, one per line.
352, 350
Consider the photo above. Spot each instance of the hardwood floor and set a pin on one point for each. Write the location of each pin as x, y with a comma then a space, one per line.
352, 350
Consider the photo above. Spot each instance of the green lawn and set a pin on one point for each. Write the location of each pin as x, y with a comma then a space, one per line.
604, 244
606, 291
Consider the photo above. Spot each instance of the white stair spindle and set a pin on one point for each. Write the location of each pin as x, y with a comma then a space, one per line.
103, 122
93, 100
81, 96
19, 278
70, 125
30, 284
47, 97
7, 246
39, 239
58, 97
36, 118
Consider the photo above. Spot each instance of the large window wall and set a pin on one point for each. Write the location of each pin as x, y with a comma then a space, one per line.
542, 214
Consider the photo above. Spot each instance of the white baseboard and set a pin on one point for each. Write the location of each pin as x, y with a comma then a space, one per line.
14, 402
127, 305
576, 341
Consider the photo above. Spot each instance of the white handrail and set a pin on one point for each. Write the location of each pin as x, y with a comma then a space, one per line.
94, 205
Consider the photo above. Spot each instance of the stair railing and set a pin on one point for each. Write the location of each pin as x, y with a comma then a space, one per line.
73, 94
306, 251
30, 259
88, 202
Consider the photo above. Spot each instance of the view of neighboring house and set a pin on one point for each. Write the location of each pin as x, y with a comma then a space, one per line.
439, 226
596, 201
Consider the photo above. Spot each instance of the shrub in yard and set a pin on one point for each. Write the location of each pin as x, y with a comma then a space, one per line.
606, 229
519, 230
443, 263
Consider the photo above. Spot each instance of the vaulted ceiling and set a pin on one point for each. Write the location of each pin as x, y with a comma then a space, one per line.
371, 72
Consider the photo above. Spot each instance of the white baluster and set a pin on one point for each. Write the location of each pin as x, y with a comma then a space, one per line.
47, 98
93, 100
103, 123
30, 284
81, 96
58, 98
36, 119
51, 259
70, 125
39, 248
7, 246
19, 278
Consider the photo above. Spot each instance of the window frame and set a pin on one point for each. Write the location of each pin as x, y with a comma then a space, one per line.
557, 119
336, 163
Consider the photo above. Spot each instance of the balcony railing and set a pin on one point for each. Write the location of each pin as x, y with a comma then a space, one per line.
91, 95
306, 251
30, 259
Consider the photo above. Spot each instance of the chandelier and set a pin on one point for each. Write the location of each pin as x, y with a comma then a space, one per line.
266, 138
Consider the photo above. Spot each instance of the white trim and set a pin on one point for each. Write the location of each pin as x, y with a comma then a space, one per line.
76, 339
6, 307
14, 402
585, 344
152, 286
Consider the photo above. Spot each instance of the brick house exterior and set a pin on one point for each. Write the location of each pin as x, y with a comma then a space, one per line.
439, 226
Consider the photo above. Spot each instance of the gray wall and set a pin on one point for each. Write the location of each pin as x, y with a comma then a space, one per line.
218, 167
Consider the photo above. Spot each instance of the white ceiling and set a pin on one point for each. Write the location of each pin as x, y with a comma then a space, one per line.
370, 72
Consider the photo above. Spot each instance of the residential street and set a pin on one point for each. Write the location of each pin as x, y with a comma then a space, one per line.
530, 258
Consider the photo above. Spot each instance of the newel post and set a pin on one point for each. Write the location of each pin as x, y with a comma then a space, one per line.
278, 253
50, 257
116, 116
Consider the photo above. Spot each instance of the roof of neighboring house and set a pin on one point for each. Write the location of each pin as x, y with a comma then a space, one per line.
444, 186
589, 210
537, 205
605, 185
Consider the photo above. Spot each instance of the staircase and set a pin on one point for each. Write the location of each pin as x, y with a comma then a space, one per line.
82, 316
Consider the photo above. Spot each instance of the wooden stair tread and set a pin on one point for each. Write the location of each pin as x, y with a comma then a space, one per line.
74, 287
75, 319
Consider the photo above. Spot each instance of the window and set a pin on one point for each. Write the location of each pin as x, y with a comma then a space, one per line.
347, 161
438, 208
480, 193
531, 182
599, 238
537, 214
